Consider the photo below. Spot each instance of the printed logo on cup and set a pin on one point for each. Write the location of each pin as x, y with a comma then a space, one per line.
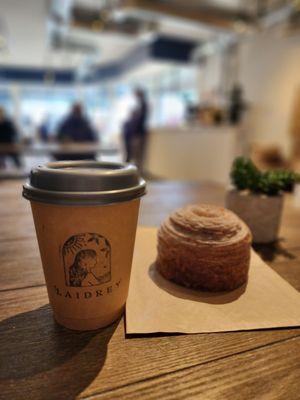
86, 260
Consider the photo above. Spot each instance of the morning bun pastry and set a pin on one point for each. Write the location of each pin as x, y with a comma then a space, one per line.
204, 247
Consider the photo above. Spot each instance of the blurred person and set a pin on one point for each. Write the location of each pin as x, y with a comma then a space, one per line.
140, 126
28, 129
76, 128
44, 129
129, 130
8, 136
191, 112
236, 104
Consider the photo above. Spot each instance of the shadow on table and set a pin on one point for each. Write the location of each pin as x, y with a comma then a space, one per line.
191, 294
270, 251
41, 359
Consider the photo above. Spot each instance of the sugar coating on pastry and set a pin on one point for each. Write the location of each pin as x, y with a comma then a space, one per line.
204, 247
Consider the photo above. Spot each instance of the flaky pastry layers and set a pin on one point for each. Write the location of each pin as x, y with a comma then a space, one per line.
204, 247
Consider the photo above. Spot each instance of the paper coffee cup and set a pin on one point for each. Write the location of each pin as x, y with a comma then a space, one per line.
85, 215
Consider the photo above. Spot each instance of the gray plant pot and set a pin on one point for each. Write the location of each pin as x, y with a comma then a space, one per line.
261, 213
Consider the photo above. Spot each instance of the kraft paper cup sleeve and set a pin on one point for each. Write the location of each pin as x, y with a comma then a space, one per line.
86, 255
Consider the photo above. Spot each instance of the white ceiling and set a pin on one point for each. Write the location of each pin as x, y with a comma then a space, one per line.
25, 32
227, 4
26, 36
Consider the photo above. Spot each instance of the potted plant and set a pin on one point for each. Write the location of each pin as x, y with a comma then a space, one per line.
257, 197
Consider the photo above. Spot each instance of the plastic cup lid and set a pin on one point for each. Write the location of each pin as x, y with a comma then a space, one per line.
84, 183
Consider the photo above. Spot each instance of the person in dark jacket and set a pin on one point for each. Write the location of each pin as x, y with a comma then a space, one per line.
129, 130
141, 129
8, 136
237, 104
76, 129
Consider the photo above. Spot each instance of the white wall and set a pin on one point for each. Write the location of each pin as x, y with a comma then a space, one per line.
25, 22
210, 78
267, 64
270, 74
199, 154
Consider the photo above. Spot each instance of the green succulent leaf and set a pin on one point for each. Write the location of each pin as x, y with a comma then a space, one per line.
245, 175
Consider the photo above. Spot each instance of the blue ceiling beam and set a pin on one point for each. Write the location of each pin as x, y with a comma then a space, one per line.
36, 75
162, 48
172, 49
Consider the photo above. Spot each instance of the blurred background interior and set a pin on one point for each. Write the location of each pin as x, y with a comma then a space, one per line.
179, 87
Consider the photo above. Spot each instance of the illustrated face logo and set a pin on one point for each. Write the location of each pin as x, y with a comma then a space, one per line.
87, 260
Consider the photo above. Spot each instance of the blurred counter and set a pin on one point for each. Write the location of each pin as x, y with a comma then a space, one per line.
192, 153
54, 148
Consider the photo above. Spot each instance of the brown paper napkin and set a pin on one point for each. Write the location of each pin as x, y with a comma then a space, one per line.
156, 305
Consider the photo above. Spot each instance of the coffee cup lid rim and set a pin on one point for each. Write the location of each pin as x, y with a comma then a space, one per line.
84, 183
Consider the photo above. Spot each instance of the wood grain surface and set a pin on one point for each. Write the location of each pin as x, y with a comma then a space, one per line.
41, 360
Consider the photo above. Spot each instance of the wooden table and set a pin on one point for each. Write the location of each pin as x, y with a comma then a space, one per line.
41, 360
